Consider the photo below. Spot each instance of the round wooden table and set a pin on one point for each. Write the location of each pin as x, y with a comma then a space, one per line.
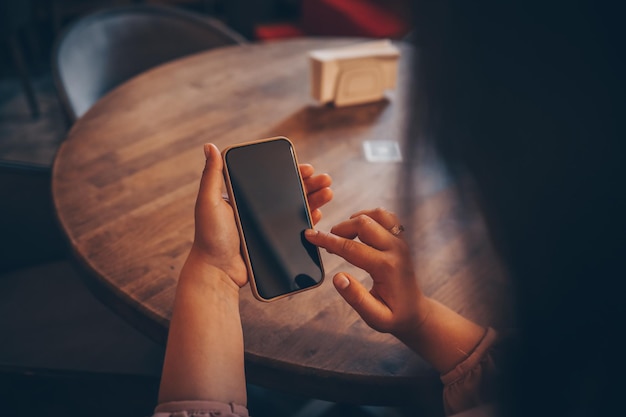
126, 178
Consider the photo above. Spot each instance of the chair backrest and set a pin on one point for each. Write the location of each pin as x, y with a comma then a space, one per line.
100, 51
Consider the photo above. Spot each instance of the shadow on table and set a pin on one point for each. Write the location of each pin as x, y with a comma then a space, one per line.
319, 122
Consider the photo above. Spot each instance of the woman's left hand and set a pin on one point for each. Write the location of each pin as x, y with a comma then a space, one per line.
216, 242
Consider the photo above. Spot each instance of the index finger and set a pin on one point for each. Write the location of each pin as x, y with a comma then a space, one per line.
368, 230
357, 253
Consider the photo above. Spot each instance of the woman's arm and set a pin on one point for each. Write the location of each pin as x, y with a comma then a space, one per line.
204, 358
204, 354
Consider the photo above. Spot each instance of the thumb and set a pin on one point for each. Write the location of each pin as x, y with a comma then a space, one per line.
375, 313
212, 177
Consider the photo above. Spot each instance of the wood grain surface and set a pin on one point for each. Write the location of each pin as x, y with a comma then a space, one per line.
125, 182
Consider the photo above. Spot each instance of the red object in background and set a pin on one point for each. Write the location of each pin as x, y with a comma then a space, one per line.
351, 18
339, 18
278, 31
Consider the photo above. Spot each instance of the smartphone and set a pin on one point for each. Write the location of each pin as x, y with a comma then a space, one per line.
271, 209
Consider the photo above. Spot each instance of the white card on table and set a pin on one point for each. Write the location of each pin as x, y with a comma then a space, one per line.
382, 151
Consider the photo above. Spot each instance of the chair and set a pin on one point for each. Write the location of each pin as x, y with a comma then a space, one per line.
104, 49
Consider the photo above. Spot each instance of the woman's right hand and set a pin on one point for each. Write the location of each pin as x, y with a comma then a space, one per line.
395, 304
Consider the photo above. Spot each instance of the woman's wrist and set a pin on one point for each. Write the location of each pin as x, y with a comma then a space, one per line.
197, 270
444, 338
416, 325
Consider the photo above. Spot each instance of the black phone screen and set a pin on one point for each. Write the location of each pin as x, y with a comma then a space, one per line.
270, 202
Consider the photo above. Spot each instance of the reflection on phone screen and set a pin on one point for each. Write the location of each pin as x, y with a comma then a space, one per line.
272, 210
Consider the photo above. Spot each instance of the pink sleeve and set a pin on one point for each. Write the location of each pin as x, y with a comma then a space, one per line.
200, 409
471, 383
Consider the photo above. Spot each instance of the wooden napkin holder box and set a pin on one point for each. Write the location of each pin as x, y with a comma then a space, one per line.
354, 74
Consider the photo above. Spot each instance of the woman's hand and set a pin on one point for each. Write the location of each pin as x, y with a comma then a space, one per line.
216, 241
395, 304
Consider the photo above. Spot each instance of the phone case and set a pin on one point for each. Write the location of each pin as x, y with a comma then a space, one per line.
233, 201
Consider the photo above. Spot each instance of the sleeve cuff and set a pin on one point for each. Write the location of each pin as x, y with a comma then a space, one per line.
200, 408
473, 359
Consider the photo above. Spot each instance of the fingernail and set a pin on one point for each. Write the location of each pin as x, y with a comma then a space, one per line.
310, 232
207, 150
341, 281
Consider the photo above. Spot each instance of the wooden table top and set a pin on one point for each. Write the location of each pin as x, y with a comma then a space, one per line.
124, 186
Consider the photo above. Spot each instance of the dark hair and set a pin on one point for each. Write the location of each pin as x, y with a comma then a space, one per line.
527, 99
